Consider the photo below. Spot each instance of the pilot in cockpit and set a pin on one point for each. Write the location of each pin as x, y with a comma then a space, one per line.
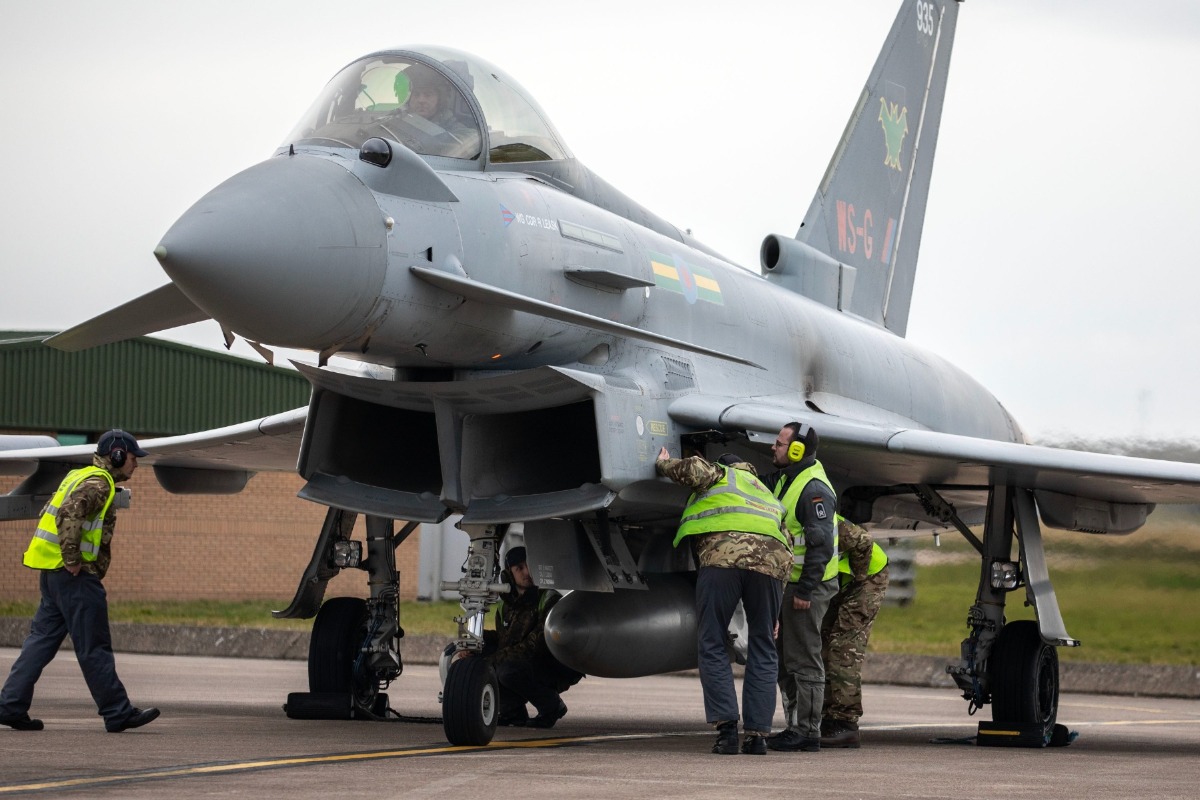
424, 93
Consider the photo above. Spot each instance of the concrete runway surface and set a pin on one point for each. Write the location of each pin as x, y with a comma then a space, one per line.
223, 733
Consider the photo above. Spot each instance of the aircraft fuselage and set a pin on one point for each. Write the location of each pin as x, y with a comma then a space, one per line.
355, 294
355, 269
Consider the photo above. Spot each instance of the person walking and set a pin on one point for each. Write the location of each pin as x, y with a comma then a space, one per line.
71, 552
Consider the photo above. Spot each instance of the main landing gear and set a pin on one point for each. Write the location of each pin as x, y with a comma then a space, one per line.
354, 647
354, 650
1014, 665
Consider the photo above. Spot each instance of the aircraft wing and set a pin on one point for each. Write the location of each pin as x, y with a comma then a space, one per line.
218, 461
269, 444
1075, 489
855, 452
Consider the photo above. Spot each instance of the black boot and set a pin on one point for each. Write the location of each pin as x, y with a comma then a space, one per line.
22, 723
841, 733
790, 741
548, 720
727, 739
754, 745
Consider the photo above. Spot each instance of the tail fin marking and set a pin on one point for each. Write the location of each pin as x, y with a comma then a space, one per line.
869, 209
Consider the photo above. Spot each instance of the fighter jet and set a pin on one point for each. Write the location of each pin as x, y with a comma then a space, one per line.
502, 335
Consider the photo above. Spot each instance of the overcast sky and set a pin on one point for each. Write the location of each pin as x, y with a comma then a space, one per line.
1058, 264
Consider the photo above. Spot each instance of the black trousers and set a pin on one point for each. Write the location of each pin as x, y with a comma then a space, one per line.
78, 605
538, 681
718, 591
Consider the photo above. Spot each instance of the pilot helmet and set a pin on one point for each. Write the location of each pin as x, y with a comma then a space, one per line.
418, 76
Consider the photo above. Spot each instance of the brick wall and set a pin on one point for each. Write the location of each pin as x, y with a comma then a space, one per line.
253, 545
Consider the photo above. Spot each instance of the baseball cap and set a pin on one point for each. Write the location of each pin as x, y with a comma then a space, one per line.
119, 438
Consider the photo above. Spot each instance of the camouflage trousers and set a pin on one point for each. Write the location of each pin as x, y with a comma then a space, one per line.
844, 635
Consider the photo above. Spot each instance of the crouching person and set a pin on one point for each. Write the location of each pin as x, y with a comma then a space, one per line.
527, 672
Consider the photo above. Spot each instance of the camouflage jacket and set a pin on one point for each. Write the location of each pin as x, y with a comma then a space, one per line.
521, 625
728, 549
854, 545
87, 499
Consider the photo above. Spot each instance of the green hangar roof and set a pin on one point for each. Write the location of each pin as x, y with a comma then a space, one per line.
149, 387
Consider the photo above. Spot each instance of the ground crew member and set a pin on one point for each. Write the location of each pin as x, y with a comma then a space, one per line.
526, 670
809, 505
71, 551
862, 581
734, 526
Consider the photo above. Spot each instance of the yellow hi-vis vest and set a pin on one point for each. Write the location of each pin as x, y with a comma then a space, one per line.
879, 560
737, 502
44, 551
790, 498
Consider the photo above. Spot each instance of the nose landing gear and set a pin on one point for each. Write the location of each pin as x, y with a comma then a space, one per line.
471, 694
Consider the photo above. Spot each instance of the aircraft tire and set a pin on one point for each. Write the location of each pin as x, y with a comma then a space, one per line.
1024, 676
470, 702
337, 633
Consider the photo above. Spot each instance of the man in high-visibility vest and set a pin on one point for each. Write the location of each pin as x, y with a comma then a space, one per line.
70, 550
809, 505
862, 581
734, 526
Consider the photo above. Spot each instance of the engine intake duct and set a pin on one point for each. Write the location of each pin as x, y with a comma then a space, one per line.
531, 464
505, 448
372, 458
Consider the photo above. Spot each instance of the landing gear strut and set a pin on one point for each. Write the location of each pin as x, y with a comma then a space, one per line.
354, 648
1013, 666
470, 696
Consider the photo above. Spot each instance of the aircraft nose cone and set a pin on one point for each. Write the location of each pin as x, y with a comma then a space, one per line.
291, 252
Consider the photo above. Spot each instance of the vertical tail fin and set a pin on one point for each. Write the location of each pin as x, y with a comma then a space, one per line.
870, 207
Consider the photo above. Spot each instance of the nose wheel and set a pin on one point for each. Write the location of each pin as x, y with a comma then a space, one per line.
470, 696
470, 703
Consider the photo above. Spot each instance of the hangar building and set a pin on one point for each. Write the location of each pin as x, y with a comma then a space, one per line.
249, 546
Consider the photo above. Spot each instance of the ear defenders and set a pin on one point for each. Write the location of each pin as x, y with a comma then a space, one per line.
119, 451
117, 456
795, 451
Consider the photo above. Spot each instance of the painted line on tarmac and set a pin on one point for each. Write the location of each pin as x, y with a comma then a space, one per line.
913, 726
1127, 722
239, 767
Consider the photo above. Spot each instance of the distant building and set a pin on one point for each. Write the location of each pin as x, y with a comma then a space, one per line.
250, 546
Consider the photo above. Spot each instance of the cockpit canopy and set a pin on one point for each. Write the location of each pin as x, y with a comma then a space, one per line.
435, 101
